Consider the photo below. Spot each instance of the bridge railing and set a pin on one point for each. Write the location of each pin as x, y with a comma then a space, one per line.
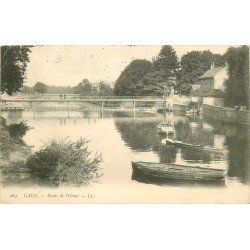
82, 97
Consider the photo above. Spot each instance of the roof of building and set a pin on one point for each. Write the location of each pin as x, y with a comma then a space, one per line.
211, 72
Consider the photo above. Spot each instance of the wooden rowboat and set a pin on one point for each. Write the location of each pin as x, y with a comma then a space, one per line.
192, 146
169, 171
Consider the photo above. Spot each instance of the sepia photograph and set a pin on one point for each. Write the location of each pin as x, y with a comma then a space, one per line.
124, 124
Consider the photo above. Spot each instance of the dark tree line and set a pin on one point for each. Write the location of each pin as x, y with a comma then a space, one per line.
126, 84
141, 77
14, 60
237, 85
85, 87
195, 63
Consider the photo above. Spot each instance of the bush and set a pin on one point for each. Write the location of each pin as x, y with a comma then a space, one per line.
185, 89
18, 130
62, 162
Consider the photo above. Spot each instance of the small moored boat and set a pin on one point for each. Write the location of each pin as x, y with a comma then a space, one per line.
165, 128
192, 146
188, 172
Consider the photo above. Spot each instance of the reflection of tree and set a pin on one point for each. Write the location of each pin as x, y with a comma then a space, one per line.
167, 154
196, 136
140, 136
238, 157
143, 136
121, 114
199, 136
237, 142
14, 116
197, 155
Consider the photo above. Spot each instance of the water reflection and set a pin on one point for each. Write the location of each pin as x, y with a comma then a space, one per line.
238, 158
133, 136
143, 136
139, 135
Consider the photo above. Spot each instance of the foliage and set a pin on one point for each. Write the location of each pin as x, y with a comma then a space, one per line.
63, 162
84, 88
105, 89
27, 90
219, 60
59, 90
196, 63
40, 88
130, 77
14, 60
185, 89
166, 61
218, 93
237, 85
18, 130
151, 84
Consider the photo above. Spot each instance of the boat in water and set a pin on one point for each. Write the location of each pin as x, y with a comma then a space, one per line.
194, 172
192, 146
165, 128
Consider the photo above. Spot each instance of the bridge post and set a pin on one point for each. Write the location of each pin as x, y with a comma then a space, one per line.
102, 105
134, 102
68, 105
31, 104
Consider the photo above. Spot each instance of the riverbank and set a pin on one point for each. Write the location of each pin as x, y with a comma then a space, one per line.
13, 151
227, 115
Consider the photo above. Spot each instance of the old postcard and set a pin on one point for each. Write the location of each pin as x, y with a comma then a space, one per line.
124, 124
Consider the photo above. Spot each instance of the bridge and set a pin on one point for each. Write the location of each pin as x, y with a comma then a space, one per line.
94, 102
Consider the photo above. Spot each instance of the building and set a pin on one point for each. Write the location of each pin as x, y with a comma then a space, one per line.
213, 79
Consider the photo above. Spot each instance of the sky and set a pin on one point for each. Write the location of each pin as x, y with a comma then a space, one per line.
68, 65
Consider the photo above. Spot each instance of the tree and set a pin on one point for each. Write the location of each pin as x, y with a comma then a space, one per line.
185, 89
40, 88
166, 61
14, 60
105, 89
131, 76
87, 89
59, 90
237, 85
27, 90
196, 63
84, 88
153, 83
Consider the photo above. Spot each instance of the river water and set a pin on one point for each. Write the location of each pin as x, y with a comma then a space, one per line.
122, 137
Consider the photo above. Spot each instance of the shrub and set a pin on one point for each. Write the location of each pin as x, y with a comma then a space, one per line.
18, 130
185, 89
63, 162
